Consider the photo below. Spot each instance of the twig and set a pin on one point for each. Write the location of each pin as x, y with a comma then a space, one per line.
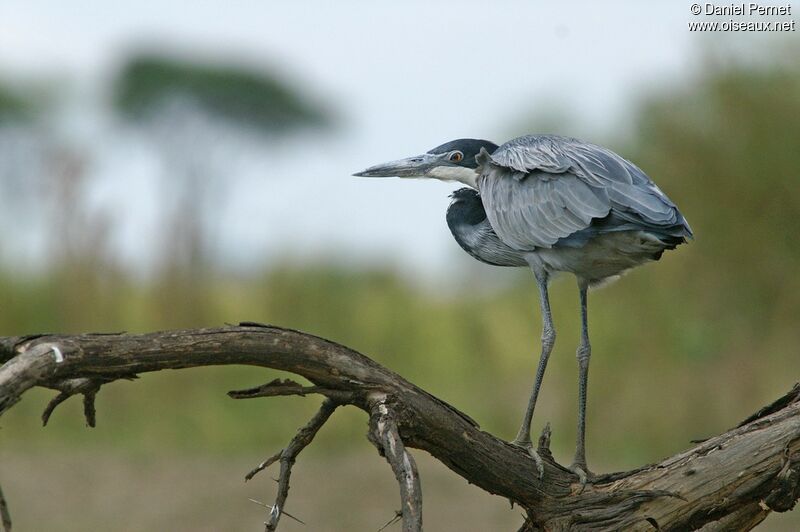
397, 516
4, 513
544, 443
287, 459
89, 411
272, 508
51, 406
69, 387
277, 388
88, 387
385, 436
790, 397
263, 465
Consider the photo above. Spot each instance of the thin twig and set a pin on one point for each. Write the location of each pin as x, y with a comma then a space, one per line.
88, 387
286, 387
287, 459
263, 465
69, 387
271, 508
51, 406
276, 388
89, 411
4, 513
397, 516
386, 437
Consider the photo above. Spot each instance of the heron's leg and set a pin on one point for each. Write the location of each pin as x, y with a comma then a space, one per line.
523, 438
583, 354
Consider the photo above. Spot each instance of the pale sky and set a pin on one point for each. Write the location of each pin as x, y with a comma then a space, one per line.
404, 77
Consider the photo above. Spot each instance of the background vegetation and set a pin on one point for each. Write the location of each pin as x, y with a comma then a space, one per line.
683, 349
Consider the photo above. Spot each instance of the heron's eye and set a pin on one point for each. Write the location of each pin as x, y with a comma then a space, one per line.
456, 156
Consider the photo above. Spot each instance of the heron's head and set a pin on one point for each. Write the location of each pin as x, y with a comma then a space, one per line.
452, 161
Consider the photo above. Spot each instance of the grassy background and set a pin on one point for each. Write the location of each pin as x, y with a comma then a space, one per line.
683, 349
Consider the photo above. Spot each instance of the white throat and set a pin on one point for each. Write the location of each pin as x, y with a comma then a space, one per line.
468, 176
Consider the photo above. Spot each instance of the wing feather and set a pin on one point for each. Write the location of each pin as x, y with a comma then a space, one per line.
540, 189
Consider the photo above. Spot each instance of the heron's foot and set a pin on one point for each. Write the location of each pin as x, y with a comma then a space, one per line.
526, 444
584, 475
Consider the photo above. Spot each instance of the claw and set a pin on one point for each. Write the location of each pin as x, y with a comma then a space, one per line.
528, 446
584, 475
539, 462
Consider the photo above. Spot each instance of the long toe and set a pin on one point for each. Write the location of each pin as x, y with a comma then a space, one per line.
525, 443
584, 475
528, 446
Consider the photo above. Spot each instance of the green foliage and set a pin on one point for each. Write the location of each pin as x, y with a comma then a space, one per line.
247, 97
725, 150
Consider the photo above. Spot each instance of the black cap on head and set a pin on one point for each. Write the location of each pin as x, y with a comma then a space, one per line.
469, 147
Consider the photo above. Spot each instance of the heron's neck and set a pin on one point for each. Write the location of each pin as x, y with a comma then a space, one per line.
468, 176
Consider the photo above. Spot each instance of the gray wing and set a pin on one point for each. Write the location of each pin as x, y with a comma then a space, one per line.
540, 189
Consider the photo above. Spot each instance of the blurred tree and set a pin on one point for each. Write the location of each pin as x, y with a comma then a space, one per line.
20, 145
727, 148
45, 183
257, 99
198, 117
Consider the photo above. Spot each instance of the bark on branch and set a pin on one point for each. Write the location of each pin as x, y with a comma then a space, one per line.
385, 435
731, 481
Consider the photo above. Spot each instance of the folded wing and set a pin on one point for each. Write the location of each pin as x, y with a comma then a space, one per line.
540, 190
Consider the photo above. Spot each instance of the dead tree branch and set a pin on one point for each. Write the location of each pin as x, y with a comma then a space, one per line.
287, 458
731, 481
385, 435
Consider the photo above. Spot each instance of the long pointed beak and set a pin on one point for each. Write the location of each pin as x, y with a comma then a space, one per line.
417, 166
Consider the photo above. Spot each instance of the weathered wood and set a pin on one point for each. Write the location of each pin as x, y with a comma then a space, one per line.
731, 481
385, 435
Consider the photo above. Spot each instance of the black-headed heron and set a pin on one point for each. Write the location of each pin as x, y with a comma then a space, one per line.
554, 204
